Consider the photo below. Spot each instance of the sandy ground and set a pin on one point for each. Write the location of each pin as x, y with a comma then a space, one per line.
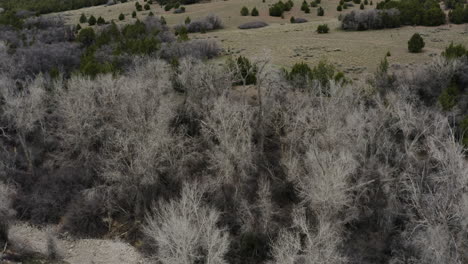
81, 251
350, 52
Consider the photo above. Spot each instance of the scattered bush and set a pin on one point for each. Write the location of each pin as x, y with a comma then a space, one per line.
416, 43
253, 24
254, 12
339, 8
321, 29
187, 21
147, 7
134, 14
455, 51
244, 11
83, 19
101, 21
277, 9
138, 6
361, 6
92, 21
320, 11
121, 17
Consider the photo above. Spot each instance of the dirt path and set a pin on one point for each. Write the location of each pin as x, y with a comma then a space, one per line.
81, 251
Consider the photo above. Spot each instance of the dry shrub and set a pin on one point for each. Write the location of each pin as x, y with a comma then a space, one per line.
254, 24
185, 230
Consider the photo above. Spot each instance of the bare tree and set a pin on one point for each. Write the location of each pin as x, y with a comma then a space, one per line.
185, 230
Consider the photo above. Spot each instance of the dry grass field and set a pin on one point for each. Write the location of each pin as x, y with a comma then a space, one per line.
351, 52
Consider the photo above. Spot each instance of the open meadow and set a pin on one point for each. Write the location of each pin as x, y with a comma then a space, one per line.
286, 43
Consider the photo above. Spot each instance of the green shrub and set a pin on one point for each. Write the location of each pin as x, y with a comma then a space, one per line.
361, 6
313, 4
138, 7
455, 51
92, 21
254, 12
339, 8
246, 71
121, 17
292, 19
101, 21
187, 20
277, 9
300, 70
366, 2
320, 11
288, 6
449, 96
416, 43
322, 29
323, 73
168, 7
147, 7
83, 19
134, 14
77, 28
163, 20
389, 54
151, 14
244, 11
87, 36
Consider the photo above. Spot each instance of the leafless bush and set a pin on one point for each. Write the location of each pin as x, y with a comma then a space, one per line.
300, 20
308, 244
199, 49
210, 22
368, 19
185, 230
229, 125
254, 24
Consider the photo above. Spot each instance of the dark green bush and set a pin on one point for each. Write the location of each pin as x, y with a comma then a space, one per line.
187, 20
455, 51
101, 21
247, 72
322, 29
320, 11
416, 43
277, 9
254, 12
134, 14
83, 19
244, 11
361, 6
449, 96
147, 7
416, 12
121, 17
339, 8
92, 21
87, 36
